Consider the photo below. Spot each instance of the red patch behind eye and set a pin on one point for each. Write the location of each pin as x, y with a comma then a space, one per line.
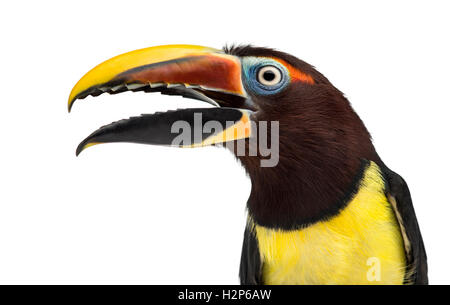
296, 75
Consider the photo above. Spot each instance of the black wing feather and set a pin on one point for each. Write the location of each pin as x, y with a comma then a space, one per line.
250, 271
417, 258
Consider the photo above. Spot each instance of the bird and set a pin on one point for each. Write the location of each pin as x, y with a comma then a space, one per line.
324, 209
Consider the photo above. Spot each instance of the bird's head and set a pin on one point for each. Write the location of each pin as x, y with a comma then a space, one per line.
320, 140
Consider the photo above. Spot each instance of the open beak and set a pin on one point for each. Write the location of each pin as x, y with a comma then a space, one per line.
195, 72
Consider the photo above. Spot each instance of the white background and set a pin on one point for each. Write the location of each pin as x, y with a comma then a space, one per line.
123, 213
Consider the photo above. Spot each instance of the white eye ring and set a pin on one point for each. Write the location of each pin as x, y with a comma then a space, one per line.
269, 75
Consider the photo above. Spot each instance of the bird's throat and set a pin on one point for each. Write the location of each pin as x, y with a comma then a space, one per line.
287, 199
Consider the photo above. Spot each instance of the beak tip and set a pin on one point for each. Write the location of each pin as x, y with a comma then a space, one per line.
85, 144
70, 104
80, 148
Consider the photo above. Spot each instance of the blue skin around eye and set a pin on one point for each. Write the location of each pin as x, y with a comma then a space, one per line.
251, 66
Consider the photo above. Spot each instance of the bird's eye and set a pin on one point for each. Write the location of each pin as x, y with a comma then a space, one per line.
264, 76
269, 75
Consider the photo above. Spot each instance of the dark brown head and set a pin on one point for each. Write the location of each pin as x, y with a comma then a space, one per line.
322, 147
